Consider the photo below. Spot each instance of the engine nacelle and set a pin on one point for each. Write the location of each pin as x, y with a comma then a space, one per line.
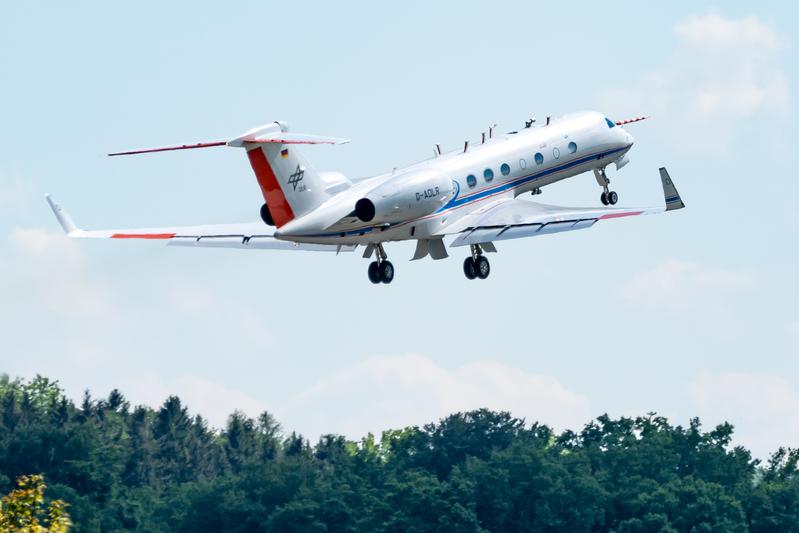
406, 196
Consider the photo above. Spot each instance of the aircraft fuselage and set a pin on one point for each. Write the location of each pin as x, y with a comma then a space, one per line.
505, 166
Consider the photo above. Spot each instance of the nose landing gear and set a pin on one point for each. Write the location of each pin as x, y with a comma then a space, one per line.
476, 265
607, 197
382, 270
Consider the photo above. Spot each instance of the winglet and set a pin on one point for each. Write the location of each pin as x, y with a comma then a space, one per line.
670, 194
63, 217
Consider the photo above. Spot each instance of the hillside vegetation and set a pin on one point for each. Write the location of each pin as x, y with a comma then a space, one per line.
120, 467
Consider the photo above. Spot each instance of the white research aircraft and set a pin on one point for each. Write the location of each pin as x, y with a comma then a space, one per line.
469, 193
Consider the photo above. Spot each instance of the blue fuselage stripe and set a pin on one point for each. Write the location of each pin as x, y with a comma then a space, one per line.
455, 202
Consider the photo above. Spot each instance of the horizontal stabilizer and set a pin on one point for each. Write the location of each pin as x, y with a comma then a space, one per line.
273, 133
283, 137
171, 148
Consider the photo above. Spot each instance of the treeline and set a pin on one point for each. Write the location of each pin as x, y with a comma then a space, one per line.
134, 468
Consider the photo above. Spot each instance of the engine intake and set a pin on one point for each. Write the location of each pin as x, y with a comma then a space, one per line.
406, 196
365, 209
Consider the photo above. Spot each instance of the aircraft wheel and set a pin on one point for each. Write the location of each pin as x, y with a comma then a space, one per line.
469, 268
386, 272
374, 272
604, 198
613, 197
482, 267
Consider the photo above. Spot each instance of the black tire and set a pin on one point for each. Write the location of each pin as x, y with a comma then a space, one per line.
374, 272
613, 197
266, 216
468, 268
386, 272
604, 199
482, 267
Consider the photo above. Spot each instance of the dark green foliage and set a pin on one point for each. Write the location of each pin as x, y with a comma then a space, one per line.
140, 469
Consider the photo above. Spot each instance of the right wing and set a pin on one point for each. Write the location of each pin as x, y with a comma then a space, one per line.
253, 235
513, 219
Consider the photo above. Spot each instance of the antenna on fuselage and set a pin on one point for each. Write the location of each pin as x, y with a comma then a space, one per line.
437, 150
491, 131
548, 119
484, 138
529, 123
465, 146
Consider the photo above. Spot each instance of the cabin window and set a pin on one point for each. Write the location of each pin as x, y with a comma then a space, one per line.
522, 164
505, 169
488, 174
610, 123
539, 159
572, 147
555, 153
471, 181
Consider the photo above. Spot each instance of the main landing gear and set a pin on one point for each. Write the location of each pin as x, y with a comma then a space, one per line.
607, 197
381, 271
476, 265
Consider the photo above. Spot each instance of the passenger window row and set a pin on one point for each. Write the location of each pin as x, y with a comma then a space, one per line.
488, 174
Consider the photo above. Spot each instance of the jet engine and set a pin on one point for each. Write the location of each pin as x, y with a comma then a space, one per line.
406, 196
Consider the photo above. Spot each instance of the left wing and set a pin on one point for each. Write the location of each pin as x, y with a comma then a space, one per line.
253, 235
513, 219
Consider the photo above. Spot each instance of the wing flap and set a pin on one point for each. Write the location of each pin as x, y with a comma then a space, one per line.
259, 242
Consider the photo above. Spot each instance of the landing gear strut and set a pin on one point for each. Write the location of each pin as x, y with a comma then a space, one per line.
476, 265
381, 271
607, 197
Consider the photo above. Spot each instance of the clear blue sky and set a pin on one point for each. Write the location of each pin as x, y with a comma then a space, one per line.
694, 313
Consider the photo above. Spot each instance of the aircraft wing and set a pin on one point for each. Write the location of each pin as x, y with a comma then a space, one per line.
513, 219
253, 235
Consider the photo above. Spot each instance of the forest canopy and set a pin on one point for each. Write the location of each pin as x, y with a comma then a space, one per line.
120, 467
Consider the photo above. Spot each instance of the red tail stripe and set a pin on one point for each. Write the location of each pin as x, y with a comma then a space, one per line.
279, 207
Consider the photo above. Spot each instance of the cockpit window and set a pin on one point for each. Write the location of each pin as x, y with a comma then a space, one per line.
611, 124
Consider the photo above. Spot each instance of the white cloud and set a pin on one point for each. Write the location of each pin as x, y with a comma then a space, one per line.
688, 289
213, 401
762, 408
396, 391
197, 305
202, 396
47, 268
723, 72
88, 331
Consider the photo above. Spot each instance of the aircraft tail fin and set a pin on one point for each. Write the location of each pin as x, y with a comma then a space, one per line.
290, 185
